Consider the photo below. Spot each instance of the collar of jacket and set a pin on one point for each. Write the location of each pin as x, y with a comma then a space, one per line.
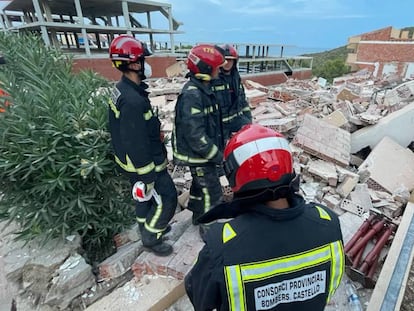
141, 88
238, 207
200, 85
297, 206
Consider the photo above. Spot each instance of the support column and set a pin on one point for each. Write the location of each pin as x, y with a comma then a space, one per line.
40, 18
126, 16
151, 38
84, 34
170, 20
49, 18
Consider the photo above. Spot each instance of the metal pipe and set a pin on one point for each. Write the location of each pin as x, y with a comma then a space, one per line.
362, 230
376, 250
364, 240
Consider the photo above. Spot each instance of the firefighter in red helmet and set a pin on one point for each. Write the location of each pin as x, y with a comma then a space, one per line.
139, 150
277, 252
197, 136
235, 110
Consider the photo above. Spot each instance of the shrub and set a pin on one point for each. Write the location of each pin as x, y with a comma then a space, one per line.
56, 175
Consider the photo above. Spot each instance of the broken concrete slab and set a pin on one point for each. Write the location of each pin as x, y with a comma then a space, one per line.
398, 125
336, 118
282, 125
324, 140
324, 170
390, 165
71, 280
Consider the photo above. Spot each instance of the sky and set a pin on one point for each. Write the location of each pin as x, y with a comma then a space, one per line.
302, 26
307, 25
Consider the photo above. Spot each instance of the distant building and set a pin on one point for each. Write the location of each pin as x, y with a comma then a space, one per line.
384, 52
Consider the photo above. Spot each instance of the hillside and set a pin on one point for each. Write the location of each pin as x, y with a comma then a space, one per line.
321, 58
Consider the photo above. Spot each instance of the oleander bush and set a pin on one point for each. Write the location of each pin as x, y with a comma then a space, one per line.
57, 177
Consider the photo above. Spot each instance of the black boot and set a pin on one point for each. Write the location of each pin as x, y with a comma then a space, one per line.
153, 243
195, 218
163, 249
166, 230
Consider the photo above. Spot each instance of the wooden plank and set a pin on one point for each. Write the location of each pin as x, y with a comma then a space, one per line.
170, 298
390, 287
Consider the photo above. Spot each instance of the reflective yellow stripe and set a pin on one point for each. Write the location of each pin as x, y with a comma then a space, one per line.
148, 115
114, 109
210, 109
129, 166
229, 118
220, 87
212, 152
237, 275
286, 264
189, 159
140, 220
206, 197
195, 198
195, 110
162, 166
191, 87
228, 233
322, 213
246, 109
337, 267
155, 218
234, 288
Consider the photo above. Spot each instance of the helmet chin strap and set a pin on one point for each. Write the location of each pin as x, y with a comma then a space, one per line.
140, 72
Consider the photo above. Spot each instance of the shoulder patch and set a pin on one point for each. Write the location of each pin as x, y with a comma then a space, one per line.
322, 213
228, 233
195, 110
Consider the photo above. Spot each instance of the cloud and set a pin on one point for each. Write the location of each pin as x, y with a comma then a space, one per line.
309, 9
216, 2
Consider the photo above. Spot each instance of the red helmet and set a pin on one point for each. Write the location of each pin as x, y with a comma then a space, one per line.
229, 52
125, 49
203, 58
257, 157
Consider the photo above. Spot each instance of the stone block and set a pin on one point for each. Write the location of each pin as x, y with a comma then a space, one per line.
323, 140
336, 118
390, 165
72, 278
175, 265
324, 170
349, 183
120, 262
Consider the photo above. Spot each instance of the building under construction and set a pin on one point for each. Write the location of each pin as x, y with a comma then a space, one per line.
86, 27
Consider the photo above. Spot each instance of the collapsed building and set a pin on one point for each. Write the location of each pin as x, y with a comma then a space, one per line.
353, 147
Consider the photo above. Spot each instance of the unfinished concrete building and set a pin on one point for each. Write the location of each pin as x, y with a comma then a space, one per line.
386, 51
86, 27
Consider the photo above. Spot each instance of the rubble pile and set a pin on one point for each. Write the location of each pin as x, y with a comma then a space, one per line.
349, 141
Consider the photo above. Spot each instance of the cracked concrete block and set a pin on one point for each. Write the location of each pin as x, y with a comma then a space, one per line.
72, 278
398, 126
325, 170
390, 166
336, 118
349, 183
323, 140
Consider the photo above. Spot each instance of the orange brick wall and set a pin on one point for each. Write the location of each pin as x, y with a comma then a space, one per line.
382, 34
158, 63
104, 67
368, 52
